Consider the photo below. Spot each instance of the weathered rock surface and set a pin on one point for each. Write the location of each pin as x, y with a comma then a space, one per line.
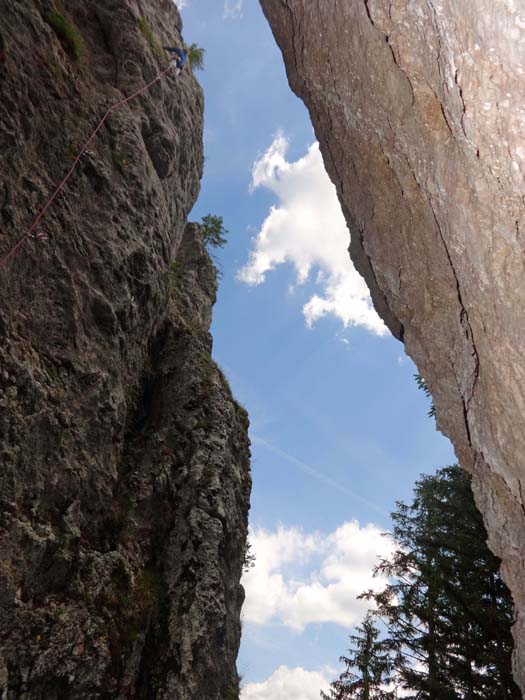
419, 107
124, 460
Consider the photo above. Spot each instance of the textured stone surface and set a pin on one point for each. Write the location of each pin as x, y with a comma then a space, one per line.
124, 460
419, 108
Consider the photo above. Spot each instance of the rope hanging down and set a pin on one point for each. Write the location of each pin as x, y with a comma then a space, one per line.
61, 186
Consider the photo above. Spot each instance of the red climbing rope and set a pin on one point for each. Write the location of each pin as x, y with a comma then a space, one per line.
61, 186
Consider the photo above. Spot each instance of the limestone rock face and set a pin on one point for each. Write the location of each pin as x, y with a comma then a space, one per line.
124, 459
419, 108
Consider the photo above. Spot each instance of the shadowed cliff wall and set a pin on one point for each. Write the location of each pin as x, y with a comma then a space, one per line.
124, 459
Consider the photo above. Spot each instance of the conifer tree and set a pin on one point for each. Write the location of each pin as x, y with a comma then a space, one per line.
447, 611
370, 657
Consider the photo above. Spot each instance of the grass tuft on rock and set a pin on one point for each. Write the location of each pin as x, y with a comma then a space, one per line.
148, 35
67, 34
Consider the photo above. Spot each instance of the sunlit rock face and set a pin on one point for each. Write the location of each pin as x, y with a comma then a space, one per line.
419, 108
124, 459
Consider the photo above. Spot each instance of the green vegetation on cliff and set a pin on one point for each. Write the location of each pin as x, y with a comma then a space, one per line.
67, 34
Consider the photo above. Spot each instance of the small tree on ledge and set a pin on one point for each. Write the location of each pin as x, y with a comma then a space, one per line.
213, 231
196, 57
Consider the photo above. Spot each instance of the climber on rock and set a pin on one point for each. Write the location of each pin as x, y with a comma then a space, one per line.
180, 58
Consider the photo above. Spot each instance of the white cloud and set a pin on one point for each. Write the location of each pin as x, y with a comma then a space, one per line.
308, 230
181, 4
289, 684
298, 684
232, 9
338, 568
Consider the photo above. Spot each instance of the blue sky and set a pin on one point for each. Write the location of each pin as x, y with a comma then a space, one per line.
339, 429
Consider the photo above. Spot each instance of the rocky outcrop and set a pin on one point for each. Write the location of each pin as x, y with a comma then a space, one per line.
124, 459
419, 109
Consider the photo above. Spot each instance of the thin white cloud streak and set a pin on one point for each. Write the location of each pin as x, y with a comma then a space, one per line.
289, 684
317, 474
303, 578
307, 229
